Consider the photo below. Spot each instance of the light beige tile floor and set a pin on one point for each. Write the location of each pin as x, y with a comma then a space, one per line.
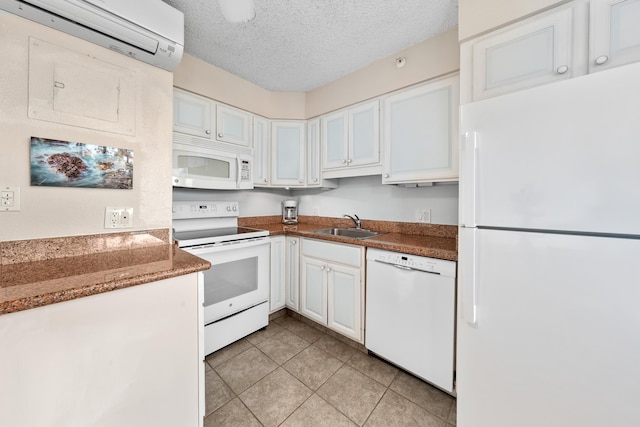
292, 374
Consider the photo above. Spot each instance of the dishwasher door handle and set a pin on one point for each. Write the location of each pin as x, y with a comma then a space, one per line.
406, 268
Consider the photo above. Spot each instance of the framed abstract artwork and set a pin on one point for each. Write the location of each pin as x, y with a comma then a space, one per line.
58, 163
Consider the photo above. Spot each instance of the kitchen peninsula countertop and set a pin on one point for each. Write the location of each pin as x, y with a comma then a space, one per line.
35, 273
430, 240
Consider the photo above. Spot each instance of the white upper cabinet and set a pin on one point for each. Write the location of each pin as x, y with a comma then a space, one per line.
349, 140
191, 114
548, 47
573, 39
615, 33
314, 171
199, 116
421, 133
288, 153
334, 140
261, 152
313, 153
233, 125
364, 134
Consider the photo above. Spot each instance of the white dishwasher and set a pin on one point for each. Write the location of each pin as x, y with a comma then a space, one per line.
410, 314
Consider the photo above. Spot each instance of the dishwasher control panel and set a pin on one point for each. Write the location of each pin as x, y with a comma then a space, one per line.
432, 265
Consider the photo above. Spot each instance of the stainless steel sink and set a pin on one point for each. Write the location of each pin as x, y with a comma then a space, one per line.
354, 233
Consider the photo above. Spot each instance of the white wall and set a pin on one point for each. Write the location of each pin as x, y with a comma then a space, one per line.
369, 199
256, 202
479, 16
364, 196
63, 211
429, 59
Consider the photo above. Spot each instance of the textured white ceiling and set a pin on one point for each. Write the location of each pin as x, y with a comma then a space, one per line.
298, 45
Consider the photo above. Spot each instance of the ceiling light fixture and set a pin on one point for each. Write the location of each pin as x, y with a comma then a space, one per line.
237, 10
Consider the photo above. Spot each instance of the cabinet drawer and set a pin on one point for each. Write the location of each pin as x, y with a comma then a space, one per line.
334, 252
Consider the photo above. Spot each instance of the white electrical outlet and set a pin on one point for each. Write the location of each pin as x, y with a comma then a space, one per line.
426, 216
118, 217
423, 215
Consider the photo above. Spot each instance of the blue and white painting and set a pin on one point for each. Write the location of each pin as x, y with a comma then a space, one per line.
75, 164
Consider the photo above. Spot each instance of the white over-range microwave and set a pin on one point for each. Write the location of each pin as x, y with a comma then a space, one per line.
202, 163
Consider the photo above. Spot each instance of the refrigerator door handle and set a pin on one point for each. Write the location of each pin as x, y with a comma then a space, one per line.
468, 169
467, 275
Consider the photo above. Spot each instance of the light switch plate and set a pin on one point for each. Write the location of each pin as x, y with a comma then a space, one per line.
9, 199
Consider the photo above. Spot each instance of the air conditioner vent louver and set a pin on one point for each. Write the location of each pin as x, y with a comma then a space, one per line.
148, 30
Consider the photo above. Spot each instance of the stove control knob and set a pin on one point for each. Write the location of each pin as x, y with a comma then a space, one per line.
228, 208
235, 208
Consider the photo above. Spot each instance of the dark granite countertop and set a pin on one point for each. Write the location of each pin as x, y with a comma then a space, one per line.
35, 273
430, 240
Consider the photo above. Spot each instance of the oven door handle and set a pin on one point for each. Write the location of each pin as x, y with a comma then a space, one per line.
241, 244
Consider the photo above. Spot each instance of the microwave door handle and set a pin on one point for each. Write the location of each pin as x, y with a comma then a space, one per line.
238, 171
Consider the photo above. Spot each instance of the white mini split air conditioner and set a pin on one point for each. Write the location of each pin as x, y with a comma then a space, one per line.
148, 30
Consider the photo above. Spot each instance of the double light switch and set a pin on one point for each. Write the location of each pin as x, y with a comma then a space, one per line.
9, 199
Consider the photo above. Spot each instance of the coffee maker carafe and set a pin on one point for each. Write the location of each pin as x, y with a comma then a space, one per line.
289, 212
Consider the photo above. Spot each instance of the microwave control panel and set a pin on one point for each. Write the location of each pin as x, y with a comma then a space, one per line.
245, 171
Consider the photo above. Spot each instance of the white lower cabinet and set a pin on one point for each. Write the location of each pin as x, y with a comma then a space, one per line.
332, 286
278, 273
292, 272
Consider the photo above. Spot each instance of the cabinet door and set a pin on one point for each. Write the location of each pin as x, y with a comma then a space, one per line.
277, 295
344, 296
421, 134
287, 153
313, 153
615, 33
313, 289
364, 134
334, 136
233, 125
539, 50
191, 114
292, 279
261, 159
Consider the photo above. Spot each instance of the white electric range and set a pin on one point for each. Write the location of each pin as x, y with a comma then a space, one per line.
236, 287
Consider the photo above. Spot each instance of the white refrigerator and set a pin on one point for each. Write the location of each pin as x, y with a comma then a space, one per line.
548, 330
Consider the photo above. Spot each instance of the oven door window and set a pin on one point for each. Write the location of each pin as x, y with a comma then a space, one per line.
238, 278
230, 280
205, 167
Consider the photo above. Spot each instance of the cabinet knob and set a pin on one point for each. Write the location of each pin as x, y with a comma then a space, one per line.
293, 242
328, 269
601, 59
266, 180
386, 175
315, 179
562, 69
220, 135
300, 181
349, 161
322, 268
208, 132
344, 160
